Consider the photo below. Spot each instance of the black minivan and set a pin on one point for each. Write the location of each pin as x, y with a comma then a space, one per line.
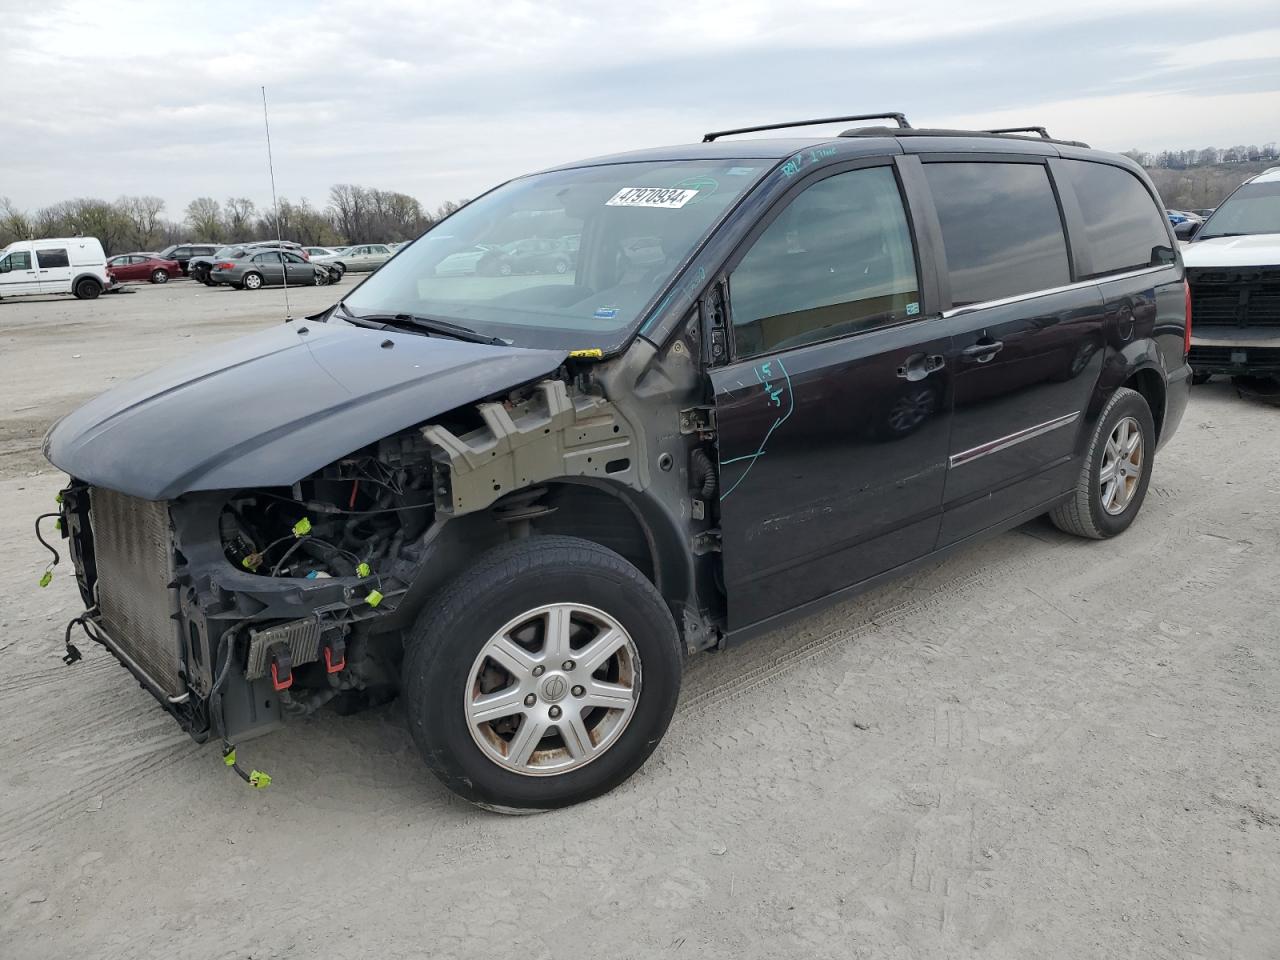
762, 376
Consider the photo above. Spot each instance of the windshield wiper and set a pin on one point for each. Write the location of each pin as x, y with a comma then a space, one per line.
428, 325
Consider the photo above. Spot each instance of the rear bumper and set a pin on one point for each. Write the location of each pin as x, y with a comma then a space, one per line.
1237, 351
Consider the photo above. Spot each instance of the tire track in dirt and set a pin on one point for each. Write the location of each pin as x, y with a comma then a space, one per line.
18, 824
41, 678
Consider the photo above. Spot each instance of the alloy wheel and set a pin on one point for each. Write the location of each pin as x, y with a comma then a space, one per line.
1121, 470
553, 689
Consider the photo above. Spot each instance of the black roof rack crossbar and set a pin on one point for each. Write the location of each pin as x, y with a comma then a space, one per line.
898, 117
1040, 130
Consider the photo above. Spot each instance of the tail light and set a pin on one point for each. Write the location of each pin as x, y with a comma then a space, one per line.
228, 266
1186, 335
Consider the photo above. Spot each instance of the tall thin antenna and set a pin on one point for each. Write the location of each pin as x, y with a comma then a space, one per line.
284, 264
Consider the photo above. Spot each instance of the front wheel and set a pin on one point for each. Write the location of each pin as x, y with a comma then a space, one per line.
1115, 473
159, 276
252, 281
543, 676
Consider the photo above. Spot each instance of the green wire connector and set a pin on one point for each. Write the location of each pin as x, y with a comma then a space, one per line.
302, 527
57, 524
252, 562
58, 498
47, 578
362, 570
374, 598
259, 779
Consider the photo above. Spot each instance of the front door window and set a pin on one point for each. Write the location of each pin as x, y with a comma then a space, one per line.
837, 260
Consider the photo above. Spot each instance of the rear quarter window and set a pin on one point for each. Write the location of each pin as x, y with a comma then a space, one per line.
52, 258
1123, 227
1001, 229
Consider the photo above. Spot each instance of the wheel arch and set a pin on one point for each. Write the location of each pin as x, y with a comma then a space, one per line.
1150, 383
81, 277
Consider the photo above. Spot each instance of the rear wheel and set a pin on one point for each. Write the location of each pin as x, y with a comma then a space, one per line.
252, 281
1115, 473
159, 276
543, 676
88, 289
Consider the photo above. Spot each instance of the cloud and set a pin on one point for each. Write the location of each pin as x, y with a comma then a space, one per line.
443, 100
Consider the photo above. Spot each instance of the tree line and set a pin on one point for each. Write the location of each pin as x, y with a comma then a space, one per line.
354, 214
1204, 157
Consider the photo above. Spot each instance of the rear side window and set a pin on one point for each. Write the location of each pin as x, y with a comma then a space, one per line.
1122, 224
1000, 228
52, 258
837, 260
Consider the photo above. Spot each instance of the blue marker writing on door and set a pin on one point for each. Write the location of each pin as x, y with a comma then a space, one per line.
776, 382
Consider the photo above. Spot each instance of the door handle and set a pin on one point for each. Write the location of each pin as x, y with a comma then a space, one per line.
983, 350
920, 365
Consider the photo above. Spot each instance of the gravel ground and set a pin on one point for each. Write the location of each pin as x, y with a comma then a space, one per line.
1041, 747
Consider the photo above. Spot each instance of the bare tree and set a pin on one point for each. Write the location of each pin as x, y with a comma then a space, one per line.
204, 216
239, 216
14, 223
143, 217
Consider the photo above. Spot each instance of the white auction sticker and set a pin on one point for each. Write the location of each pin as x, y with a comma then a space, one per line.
670, 198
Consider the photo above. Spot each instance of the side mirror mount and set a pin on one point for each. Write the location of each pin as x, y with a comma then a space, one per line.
1187, 229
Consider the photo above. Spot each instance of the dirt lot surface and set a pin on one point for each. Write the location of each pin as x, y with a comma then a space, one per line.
1042, 747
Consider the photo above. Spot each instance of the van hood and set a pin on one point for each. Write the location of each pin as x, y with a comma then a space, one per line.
1255, 250
274, 407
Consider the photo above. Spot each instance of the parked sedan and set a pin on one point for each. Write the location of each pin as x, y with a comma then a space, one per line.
142, 266
268, 268
365, 257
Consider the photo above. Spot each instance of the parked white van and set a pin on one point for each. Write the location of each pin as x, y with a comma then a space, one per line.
74, 265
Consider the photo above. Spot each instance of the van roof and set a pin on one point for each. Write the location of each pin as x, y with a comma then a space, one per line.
858, 142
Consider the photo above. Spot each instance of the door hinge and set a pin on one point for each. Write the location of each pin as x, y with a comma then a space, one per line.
708, 541
700, 421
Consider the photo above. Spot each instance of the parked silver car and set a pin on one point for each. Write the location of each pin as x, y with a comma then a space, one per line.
364, 257
267, 268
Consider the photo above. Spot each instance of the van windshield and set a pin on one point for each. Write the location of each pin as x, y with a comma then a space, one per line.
1254, 208
568, 259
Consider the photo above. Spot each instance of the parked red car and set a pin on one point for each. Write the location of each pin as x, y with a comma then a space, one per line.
142, 266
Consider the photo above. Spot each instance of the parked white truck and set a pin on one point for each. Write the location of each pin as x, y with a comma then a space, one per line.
74, 265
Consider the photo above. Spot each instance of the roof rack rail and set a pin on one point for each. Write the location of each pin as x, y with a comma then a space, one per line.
898, 117
1040, 130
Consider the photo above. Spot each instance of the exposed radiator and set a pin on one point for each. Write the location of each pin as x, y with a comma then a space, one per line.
134, 555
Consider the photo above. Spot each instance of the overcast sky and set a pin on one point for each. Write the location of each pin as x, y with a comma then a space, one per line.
442, 100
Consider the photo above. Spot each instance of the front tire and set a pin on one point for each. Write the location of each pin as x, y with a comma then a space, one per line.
1115, 473
543, 676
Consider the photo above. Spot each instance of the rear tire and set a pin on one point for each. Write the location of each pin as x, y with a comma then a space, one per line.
510, 596
252, 281
88, 289
1198, 378
1102, 507
159, 276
